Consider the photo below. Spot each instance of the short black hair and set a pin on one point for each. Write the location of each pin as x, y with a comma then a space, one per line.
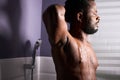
74, 6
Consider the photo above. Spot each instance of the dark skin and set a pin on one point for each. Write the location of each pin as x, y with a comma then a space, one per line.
73, 56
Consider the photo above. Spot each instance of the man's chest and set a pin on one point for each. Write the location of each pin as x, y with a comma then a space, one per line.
88, 56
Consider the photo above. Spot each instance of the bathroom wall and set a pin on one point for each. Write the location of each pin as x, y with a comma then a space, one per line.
20, 28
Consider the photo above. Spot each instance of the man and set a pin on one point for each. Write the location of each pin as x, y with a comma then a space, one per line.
73, 55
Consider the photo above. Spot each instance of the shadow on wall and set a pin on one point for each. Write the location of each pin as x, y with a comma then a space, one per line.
11, 44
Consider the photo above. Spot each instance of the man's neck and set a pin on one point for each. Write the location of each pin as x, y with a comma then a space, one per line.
79, 34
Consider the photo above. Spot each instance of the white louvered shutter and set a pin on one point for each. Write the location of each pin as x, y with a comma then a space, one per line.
106, 42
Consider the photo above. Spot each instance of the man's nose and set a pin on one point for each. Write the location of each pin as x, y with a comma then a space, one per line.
98, 18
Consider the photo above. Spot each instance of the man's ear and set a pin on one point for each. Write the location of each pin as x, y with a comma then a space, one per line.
79, 16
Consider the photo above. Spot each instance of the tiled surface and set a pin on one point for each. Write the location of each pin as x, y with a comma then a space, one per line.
13, 69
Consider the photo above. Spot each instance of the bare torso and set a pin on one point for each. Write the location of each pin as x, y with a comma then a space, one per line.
75, 61
73, 58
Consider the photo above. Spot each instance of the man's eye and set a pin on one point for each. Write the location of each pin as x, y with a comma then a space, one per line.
94, 14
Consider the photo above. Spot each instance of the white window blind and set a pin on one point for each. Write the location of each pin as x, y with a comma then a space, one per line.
106, 42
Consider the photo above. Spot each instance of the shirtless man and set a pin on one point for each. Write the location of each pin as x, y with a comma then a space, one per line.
72, 54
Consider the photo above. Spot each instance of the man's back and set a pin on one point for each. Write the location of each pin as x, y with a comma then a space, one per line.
73, 58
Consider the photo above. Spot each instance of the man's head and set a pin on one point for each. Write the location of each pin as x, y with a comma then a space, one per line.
83, 12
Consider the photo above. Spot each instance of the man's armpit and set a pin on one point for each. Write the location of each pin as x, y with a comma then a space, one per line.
62, 42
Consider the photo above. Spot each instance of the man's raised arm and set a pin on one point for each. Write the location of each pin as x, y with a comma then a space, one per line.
55, 24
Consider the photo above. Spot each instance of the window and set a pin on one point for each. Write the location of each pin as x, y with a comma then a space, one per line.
106, 42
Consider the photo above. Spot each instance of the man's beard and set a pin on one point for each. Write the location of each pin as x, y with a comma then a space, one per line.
90, 28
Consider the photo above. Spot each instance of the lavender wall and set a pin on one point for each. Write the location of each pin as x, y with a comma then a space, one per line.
20, 27
45, 47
